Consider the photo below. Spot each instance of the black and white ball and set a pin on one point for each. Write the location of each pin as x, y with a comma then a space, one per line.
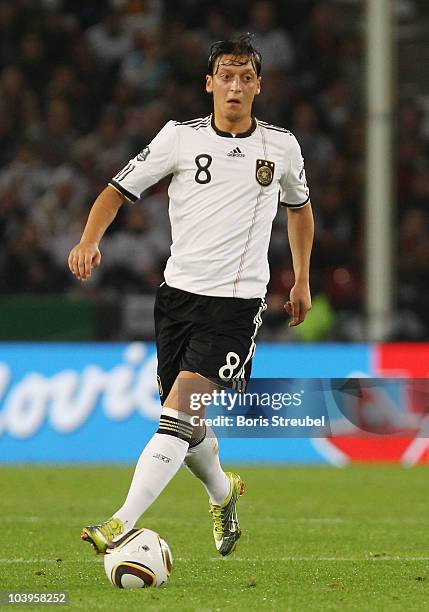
140, 559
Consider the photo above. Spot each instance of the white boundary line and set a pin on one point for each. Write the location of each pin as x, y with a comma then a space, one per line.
311, 520
372, 559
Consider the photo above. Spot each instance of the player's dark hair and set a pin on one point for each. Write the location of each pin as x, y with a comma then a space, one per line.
239, 47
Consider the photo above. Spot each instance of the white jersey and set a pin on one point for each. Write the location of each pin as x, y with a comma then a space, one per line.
223, 198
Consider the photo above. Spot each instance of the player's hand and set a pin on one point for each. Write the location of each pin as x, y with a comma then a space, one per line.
83, 258
299, 303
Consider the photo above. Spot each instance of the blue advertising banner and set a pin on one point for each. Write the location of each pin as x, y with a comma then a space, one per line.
68, 403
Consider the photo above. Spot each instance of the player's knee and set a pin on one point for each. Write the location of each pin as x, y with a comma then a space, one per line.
175, 423
198, 435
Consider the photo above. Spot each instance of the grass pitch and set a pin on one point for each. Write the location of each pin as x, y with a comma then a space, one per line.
313, 539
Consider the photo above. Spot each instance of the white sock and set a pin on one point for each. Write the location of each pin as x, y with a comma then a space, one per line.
160, 460
203, 461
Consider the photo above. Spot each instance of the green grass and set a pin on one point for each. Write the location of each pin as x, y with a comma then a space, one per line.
314, 539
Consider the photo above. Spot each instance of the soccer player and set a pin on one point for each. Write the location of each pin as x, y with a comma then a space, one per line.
229, 170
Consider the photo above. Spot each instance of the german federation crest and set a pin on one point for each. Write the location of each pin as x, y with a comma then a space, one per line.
264, 172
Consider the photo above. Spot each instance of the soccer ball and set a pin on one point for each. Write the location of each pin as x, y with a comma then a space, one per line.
140, 559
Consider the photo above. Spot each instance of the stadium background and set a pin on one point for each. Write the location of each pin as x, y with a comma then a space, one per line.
84, 86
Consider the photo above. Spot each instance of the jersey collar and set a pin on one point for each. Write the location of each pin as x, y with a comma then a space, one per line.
229, 135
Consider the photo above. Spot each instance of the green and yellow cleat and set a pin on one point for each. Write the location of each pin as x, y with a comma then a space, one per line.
101, 536
226, 528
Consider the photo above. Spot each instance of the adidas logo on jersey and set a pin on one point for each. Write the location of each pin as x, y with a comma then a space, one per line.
236, 153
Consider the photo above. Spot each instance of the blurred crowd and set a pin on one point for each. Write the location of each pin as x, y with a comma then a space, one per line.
85, 85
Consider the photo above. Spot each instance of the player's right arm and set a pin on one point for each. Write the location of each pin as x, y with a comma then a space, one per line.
156, 160
86, 255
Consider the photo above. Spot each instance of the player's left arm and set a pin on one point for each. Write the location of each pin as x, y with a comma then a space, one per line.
295, 195
301, 233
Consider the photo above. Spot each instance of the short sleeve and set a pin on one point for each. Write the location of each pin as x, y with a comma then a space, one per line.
294, 191
154, 162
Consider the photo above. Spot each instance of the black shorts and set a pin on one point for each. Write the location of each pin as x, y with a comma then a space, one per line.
214, 336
